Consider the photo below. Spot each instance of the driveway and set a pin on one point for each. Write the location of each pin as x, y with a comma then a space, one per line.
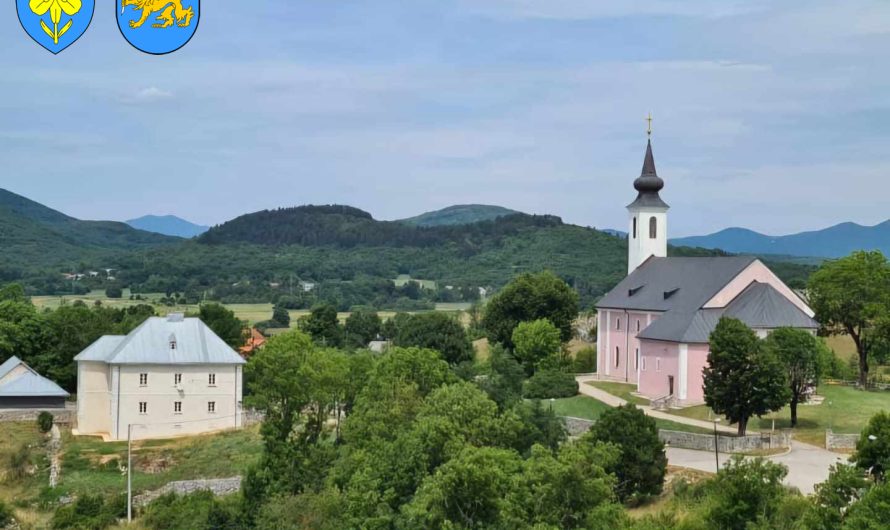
807, 465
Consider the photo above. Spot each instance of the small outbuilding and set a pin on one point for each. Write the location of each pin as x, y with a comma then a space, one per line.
21, 387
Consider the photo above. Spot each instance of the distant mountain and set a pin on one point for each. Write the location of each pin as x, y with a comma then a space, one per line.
168, 225
833, 242
33, 236
460, 214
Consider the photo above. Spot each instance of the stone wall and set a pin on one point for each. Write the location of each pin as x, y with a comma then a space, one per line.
701, 442
726, 443
840, 441
61, 416
219, 486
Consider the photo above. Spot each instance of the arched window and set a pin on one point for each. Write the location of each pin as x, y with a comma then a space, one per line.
638, 325
618, 324
653, 228
635, 228
617, 356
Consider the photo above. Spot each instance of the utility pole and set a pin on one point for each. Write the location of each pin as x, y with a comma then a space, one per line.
716, 445
129, 473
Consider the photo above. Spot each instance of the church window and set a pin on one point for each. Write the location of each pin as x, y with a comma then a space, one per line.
635, 228
617, 356
638, 325
618, 324
637, 362
653, 228
643, 364
658, 364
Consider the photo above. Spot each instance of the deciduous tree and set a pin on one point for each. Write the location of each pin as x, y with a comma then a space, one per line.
535, 341
801, 355
742, 378
851, 296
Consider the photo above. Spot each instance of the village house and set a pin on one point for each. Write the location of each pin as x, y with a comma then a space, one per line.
170, 376
653, 328
21, 387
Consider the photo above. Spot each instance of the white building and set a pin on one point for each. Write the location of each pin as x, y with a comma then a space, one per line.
170, 376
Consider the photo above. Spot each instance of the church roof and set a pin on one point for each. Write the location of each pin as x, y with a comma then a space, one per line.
150, 343
674, 283
758, 306
648, 184
26, 384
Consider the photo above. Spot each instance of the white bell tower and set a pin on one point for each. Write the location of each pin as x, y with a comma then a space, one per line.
647, 231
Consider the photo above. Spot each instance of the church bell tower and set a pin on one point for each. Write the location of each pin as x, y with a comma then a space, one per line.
647, 233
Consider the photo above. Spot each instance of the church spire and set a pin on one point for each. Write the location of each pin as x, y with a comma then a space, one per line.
648, 184
647, 233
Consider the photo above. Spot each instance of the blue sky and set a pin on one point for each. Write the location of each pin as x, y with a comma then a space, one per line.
769, 115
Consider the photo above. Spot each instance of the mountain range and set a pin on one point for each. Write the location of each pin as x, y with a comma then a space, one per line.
350, 256
832, 242
168, 225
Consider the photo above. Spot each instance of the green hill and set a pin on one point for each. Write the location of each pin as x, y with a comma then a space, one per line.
460, 214
35, 238
345, 255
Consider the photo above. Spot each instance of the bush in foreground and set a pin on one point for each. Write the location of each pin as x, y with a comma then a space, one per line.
45, 422
548, 384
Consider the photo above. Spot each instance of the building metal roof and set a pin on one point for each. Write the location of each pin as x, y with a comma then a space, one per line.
759, 306
163, 340
27, 384
674, 283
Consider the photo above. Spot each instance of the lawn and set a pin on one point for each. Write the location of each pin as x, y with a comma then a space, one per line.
91, 465
844, 410
590, 409
623, 390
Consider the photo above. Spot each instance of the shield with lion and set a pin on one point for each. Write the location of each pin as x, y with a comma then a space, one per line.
158, 26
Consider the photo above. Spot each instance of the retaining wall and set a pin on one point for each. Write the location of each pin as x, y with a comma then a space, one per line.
219, 486
60, 416
840, 441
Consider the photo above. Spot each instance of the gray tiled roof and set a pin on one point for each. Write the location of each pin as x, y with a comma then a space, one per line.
150, 344
30, 383
758, 306
693, 281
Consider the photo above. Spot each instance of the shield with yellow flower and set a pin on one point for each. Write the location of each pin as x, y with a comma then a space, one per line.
55, 24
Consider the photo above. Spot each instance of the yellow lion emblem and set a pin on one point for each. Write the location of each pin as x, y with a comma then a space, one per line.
170, 12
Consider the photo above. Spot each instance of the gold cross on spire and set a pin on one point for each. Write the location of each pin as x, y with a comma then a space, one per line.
649, 128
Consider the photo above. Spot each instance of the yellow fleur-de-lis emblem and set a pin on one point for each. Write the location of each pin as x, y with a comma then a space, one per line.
55, 8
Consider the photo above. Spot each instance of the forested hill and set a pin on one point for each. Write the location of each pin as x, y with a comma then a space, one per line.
459, 214
32, 235
348, 227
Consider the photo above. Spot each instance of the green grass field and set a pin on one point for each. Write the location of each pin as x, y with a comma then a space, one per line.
844, 410
402, 279
590, 409
251, 313
622, 390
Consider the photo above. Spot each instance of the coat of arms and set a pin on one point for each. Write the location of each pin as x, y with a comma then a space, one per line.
55, 24
158, 26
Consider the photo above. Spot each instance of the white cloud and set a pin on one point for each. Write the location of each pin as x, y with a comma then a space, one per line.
146, 95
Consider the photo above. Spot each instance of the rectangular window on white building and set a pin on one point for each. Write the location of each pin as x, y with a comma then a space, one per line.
211, 379
143, 407
177, 407
211, 407
177, 379
143, 379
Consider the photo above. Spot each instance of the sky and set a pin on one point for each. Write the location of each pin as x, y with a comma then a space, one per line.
769, 115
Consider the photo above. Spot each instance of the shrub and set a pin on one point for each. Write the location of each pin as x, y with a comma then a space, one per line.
873, 448
114, 291
585, 361
45, 422
642, 465
18, 462
89, 513
548, 384
5, 515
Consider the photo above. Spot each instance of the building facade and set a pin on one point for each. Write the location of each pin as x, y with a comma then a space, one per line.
653, 328
170, 376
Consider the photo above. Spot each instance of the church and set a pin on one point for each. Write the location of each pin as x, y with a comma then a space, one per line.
653, 327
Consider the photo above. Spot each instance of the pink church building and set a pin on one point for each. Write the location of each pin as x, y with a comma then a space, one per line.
653, 327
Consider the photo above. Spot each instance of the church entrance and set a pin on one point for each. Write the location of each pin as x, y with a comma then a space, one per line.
670, 385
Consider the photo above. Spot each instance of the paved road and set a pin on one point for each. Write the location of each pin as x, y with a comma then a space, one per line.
807, 464
615, 401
